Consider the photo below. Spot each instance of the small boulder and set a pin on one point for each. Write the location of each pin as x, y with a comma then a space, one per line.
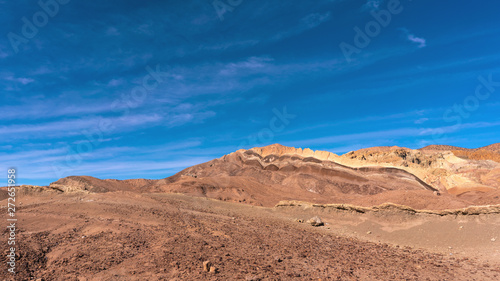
207, 265
316, 221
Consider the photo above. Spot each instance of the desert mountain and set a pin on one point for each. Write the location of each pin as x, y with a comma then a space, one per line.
266, 175
269, 174
450, 169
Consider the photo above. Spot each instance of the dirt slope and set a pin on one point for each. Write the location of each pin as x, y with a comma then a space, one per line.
131, 236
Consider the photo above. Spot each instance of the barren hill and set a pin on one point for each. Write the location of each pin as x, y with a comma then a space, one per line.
95, 185
493, 147
440, 147
490, 152
267, 175
273, 173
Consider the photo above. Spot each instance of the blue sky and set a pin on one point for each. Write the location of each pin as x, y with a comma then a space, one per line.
142, 89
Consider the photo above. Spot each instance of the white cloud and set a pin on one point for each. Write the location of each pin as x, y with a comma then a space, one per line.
420, 41
421, 120
412, 38
250, 64
25, 81
184, 118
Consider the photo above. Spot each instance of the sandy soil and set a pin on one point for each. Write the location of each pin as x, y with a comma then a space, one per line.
132, 236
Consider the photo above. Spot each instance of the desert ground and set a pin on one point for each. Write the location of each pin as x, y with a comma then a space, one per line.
130, 236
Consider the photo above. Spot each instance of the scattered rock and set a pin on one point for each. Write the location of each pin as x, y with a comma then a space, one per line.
316, 221
207, 265
175, 264
299, 220
368, 232
493, 239
213, 270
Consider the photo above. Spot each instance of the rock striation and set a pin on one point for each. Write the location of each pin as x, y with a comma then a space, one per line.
450, 169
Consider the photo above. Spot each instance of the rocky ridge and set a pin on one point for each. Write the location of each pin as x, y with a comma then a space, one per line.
456, 171
267, 175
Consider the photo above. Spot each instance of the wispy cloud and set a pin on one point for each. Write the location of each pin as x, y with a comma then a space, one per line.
75, 127
359, 137
421, 42
306, 23
113, 161
457, 128
49, 108
421, 120
393, 133
12, 78
250, 64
